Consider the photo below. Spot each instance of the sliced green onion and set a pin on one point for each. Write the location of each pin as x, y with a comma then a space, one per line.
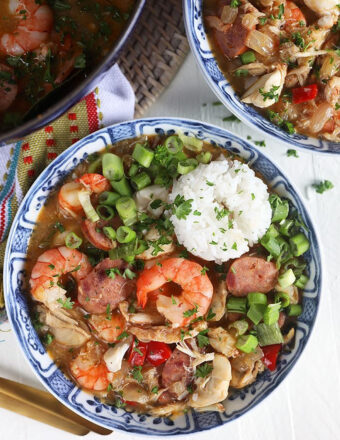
95, 165
141, 247
186, 166
272, 231
247, 343
241, 326
286, 279
128, 251
105, 212
269, 334
173, 144
283, 298
256, 298
143, 155
141, 180
108, 198
302, 281
122, 186
280, 208
272, 313
125, 234
109, 232
237, 305
133, 169
204, 157
256, 312
85, 201
271, 245
294, 310
285, 227
299, 244
127, 210
248, 57
72, 240
191, 143
113, 168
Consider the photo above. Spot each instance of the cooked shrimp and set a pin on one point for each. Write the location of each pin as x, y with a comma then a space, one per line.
293, 16
322, 7
35, 23
108, 326
54, 263
8, 87
332, 90
68, 197
89, 369
196, 294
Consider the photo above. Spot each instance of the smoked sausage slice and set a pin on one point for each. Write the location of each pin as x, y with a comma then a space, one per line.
251, 274
102, 288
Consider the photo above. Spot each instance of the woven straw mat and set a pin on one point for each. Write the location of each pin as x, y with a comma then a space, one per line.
155, 51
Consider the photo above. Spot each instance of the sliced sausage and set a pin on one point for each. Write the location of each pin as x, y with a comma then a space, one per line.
99, 289
98, 239
251, 274
176, 369
232, 41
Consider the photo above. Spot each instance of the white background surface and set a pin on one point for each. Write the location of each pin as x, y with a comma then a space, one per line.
307, 405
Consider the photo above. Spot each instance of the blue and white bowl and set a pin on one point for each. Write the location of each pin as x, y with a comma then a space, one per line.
16, 297
193, 18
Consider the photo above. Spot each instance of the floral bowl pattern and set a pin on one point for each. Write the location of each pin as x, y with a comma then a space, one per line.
52, 378
225, 93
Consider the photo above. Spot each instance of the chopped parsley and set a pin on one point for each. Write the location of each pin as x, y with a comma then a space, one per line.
154, 390
173, 300
202, 338
271, 94
210, 315
67, 304
137, 373
231, 118
323, 186
209, 183
108, 312
292, 153
190, 312
182, 207
203, 370
221, 213
204, 270
112, 272
48, 338
122, 336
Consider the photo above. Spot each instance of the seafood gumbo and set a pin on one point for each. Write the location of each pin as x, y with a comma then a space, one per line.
283, 58
164, 274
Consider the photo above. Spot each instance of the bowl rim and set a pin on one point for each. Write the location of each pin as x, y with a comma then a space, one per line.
241, 114
82, 89
162, 121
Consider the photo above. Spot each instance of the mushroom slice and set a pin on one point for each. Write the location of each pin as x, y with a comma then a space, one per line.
153, 235
65, 329
162, 333
267, 89
245, 368
223, 342
215, 389
151, 317
114, 356
218, 301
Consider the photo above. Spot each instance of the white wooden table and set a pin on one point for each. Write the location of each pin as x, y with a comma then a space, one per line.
306, 406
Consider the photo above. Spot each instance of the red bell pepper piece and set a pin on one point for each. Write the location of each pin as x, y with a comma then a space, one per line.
270, 354
138, 352
304, 94
158, 353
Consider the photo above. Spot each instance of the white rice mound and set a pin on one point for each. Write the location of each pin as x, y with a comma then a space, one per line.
236, 188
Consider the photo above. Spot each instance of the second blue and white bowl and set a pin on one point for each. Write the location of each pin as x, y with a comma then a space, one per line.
193, 18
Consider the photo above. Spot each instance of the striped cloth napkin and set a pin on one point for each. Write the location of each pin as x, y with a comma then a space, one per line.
20, 163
